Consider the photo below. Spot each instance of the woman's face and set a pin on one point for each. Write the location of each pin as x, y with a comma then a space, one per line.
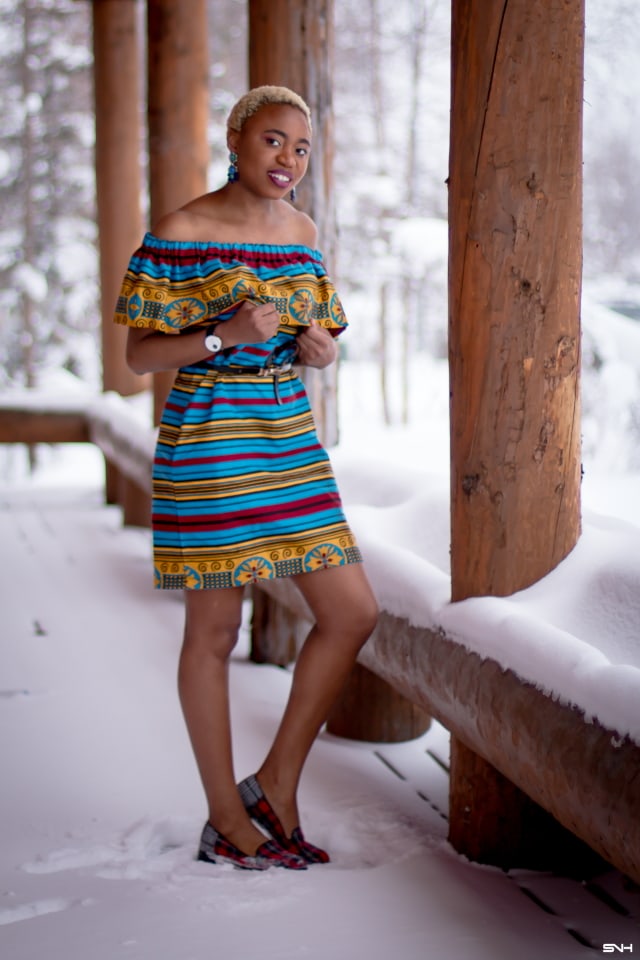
273, 150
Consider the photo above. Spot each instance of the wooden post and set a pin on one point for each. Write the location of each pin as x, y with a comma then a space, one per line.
177, 118
514, 348
515, 280
276, 631
493, 821
370, 709
291, 44
117, 93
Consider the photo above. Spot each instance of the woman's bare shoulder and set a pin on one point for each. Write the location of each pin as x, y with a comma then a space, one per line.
195, 221
305, 230
178, 225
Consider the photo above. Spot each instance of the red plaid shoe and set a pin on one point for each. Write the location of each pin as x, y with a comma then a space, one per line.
215, 848
260, 810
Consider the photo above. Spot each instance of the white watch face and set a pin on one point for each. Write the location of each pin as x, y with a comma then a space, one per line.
212, 342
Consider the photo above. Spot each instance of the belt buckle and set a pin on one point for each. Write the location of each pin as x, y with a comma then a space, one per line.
275, 369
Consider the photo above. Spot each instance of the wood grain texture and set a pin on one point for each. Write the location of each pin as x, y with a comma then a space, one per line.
515, 283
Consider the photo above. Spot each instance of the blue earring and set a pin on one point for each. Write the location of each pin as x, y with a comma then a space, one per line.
293, 194
232, 172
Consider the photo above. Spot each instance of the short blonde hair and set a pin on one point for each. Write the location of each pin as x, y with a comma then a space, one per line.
251, 102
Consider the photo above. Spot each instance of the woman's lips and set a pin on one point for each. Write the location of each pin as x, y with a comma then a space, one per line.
280, 177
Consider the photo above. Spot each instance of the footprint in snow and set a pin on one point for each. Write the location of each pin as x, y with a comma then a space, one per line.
38, 908
140, 851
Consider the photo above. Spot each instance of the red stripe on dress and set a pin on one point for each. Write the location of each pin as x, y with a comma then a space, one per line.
256, 515
237, 256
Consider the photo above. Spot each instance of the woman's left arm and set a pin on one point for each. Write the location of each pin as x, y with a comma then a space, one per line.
316, 346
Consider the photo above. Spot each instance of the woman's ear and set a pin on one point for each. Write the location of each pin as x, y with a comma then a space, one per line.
232, 140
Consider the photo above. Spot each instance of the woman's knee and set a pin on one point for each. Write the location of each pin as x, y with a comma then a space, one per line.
361, 615
212, 623
347, 607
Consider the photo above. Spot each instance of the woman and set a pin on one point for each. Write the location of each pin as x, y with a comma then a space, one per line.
242, 489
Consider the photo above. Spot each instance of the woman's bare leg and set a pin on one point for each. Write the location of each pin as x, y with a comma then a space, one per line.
345, 612
212, 621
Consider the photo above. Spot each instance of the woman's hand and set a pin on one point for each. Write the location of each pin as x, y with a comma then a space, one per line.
316, 346
251, 323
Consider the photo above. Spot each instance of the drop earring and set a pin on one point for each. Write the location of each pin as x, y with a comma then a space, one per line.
232, 172
292, 194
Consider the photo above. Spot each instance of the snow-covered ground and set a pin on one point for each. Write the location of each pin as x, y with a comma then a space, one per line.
101, 807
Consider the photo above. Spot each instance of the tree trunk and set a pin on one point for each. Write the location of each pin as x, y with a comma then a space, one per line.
515, 281
377, 97
383, 352
28, 237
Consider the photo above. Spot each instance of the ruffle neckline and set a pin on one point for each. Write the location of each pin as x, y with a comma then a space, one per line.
150, 240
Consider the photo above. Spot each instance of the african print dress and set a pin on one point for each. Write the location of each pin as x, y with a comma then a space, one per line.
242, 488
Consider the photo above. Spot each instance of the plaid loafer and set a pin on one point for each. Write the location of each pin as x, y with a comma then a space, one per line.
215, 848
260, 810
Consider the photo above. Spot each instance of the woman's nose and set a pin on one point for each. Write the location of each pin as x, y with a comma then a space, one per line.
286, 155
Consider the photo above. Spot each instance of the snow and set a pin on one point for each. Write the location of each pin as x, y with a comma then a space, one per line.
101, 806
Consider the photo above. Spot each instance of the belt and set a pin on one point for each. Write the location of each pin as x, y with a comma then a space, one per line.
274, 370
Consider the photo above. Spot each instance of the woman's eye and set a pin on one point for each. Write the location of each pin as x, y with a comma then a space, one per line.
302, 151
273, 142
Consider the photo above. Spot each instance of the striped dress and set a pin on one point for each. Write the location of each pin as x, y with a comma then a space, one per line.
242, 488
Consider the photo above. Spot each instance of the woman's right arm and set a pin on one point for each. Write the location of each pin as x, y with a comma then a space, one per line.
149, 351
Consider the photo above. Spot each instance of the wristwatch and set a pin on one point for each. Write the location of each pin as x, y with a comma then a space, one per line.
212, 341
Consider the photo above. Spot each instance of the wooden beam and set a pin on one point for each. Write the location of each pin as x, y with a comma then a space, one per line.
581, 773
515, 280
178, 103
33, 425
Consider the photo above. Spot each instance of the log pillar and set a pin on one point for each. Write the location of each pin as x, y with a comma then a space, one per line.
177, 104
370, 709
291, 44
276, 631
493, 821
117, 94
515, 261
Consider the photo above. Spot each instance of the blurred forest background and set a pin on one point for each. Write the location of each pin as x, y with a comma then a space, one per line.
392, 115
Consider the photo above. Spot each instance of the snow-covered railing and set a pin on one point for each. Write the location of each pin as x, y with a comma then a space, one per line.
582, 772
112, 423
29, 416
123, 437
